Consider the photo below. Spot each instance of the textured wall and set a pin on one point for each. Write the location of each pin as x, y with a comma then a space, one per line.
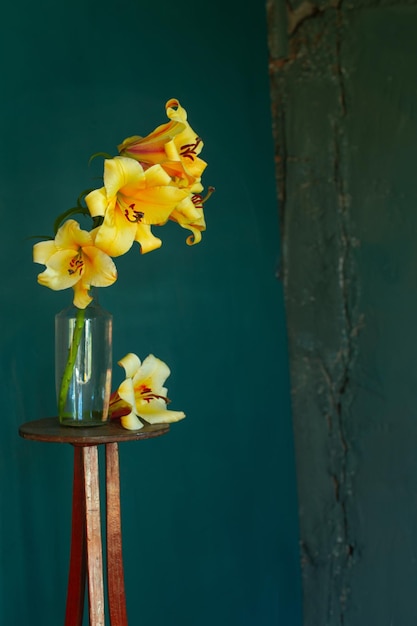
209, 511
345, 119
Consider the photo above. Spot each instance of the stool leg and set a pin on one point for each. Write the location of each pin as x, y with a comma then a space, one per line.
115, 575
76, 579
93, 533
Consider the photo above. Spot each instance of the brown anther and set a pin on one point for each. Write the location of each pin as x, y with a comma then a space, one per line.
76, 264
189, 149
132, 215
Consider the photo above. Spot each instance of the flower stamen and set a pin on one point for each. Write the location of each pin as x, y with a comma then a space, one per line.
148, 395
198, 200
133, 216
189, 149
76, 264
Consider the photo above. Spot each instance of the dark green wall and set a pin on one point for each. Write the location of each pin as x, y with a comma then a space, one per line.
345, 116
209, 511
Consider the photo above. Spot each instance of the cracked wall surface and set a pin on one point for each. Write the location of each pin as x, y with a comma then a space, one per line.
345, 123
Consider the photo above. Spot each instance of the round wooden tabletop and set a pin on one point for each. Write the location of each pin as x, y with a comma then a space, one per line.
50, 430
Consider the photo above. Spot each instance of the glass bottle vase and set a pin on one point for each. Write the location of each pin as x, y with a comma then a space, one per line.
83, 364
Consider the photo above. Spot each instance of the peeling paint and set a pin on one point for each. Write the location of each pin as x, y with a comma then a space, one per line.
321, 378
296, 17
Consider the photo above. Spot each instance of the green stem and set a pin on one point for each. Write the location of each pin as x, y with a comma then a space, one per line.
72, 355
77, 210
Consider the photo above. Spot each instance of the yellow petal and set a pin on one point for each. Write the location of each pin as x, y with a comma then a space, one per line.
97, 202
146, 239
70, 236
131, 422
100, 270
56, 275
175, 111
116, 235
156, 176
196, 226
82, 296
127, 392
122, 172
160, 416
130, 363
188, 136
186, 212
196, 234
157, 203
43, 250
153, 372
195, 167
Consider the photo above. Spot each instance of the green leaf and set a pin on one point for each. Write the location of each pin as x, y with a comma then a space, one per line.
47, 237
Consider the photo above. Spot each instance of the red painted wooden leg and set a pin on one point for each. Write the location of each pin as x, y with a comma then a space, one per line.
115, 575
93, 534
76, 579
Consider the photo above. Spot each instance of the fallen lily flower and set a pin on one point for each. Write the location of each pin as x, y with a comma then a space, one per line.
142, 394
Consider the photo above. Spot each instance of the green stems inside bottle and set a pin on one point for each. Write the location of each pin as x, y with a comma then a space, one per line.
72, 355
83, 362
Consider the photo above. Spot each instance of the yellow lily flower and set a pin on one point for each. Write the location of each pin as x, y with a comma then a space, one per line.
73, 260
142, 394
131, 200
174, 145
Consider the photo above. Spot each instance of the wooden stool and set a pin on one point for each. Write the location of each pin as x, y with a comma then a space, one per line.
86, 544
